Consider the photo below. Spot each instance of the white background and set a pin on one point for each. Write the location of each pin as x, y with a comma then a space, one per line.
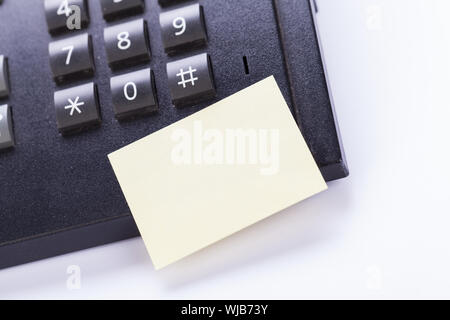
382, 233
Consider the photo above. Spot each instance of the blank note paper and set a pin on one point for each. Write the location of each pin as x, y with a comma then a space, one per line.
216, 172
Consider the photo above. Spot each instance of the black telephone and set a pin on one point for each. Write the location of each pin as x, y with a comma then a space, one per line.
80, 79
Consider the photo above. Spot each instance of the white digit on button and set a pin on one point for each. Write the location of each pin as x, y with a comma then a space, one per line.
124, 42
69, 50
179, 23
125, 91
64, 9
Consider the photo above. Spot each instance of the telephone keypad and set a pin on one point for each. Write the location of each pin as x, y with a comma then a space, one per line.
126, 44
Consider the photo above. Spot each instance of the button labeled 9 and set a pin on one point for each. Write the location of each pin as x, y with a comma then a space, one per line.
183, 28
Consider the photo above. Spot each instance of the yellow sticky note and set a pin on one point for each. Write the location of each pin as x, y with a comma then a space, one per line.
216, 172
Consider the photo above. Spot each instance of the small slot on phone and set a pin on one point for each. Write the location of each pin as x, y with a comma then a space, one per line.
245, 60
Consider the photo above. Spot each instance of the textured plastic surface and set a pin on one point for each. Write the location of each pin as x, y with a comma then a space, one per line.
309, 86
59, 194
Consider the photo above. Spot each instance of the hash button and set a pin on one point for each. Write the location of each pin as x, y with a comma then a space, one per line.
191, 80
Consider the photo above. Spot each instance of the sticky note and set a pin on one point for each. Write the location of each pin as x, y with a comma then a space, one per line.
216, 172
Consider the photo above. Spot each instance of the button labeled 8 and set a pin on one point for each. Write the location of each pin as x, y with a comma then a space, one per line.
127, 44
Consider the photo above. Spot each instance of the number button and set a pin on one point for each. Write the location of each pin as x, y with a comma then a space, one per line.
134, 94
4, 77
77, 108
183, 28
191, 80
6, 128
169, 2
71, 58
127, 44
66, 15
113, 9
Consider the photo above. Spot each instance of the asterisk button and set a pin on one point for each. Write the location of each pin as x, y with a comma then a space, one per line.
74, 106
77, 108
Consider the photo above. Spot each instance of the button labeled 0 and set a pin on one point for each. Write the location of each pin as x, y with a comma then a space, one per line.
134, 94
